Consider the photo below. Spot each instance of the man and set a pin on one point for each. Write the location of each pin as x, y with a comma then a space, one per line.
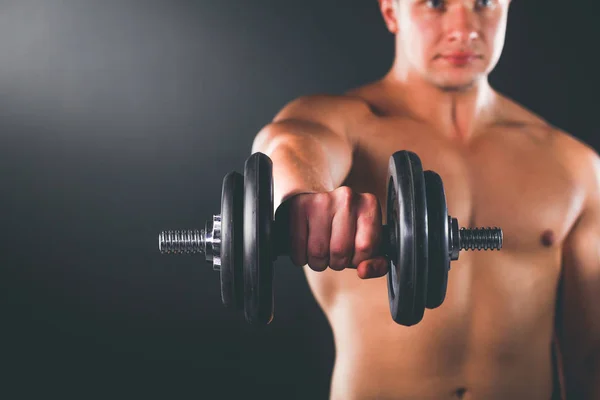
501, 165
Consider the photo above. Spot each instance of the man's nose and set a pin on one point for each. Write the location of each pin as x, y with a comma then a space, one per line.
461, 23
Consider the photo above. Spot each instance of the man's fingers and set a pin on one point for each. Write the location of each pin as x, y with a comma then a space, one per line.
319, 232
343, 230
368, 228
299, 236
373, 268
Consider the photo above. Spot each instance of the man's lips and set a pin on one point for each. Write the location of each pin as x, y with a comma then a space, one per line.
460, 57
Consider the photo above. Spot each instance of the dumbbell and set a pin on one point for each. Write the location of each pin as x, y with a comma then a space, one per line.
420, 239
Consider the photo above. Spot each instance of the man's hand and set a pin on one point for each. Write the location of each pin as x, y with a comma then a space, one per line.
338, 229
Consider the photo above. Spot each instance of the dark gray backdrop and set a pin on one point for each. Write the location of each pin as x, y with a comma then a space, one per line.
119, 118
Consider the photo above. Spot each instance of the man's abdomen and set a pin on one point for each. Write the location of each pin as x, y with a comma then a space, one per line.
490, 339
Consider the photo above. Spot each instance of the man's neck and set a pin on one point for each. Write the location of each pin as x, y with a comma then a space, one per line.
456, 114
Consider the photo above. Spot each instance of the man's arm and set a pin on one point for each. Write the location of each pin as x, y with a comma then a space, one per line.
579, 329
310, 142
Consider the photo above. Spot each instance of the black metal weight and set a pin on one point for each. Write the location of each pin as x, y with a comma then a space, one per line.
439, 253
258, 246
232, 251
407, 243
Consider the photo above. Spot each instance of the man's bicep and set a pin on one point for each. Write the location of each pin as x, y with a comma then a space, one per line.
579, 318
579, 328
339, 114
581, 279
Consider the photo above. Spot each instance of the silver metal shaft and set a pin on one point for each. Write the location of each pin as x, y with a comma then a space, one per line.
182, 242
206, 241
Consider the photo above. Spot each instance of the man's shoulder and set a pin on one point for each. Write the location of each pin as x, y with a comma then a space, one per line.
580, 158
564, 142
582, 162
344, 113
358, 99
513, 113
326, 104
576, 156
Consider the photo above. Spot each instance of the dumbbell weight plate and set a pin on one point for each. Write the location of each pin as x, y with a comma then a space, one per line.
232, 251
407, 221
439, 256
258, 250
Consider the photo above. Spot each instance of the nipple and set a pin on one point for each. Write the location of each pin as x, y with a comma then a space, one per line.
548, 238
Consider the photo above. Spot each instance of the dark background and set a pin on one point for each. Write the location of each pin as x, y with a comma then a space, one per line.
119, 119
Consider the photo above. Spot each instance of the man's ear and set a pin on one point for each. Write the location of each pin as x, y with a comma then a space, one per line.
388, 11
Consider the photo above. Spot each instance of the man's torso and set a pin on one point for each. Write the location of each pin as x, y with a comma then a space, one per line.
491, 338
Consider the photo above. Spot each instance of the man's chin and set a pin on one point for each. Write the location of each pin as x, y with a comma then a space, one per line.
460, 83
456, 85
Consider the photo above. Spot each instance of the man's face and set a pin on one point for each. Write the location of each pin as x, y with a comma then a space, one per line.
451, 43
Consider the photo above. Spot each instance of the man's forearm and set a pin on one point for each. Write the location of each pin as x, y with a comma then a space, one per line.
297, 172
305, 159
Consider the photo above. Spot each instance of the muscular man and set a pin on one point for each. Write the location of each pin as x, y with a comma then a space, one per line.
501, 165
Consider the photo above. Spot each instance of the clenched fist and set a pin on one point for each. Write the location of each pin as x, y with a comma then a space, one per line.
340, 229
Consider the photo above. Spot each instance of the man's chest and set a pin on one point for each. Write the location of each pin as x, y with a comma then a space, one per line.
518, 186
523, 189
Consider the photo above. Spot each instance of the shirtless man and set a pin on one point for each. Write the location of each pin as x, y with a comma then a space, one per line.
501, 165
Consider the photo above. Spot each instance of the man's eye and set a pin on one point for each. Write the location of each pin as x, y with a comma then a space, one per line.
486, 3
437, 4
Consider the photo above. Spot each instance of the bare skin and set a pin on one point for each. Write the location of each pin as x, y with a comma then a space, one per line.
501, 166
